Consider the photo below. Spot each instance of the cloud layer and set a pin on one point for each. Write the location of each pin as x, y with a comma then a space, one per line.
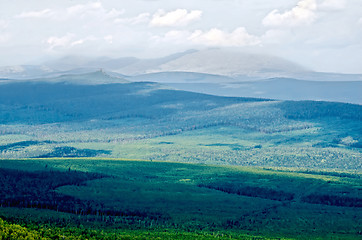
91, 9
216, 37
306, 30
302, 14
178, 17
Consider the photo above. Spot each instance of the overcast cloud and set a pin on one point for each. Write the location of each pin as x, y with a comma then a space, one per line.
324, 35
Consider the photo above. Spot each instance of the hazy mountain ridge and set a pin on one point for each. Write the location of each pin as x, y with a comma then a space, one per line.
73, 77
222, 72
223, 62
182, 77
274, 88
230, 63
214, 61
93, 78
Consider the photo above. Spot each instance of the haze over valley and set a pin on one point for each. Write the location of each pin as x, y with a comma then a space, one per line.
189, 120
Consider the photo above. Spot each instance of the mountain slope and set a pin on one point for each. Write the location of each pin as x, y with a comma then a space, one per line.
181, 77
230, 63
69, 98
70, 62
274, 88
71, 77
92, 78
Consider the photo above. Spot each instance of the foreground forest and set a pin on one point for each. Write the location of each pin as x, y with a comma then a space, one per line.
123, 199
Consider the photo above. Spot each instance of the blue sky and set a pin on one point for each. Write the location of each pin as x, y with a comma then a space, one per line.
323, 35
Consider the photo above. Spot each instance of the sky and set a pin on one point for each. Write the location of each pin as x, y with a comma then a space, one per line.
322, 35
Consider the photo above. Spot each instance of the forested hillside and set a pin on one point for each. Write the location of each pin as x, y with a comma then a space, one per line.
70, 117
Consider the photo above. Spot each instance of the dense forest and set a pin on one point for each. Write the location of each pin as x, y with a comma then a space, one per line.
118, 199
37, 190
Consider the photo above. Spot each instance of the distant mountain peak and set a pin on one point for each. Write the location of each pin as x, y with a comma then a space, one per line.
93, 78
230, 63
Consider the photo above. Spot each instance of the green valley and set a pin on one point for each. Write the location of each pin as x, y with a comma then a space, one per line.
122, 160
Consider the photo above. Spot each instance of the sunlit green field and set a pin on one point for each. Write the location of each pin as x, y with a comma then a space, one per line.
196, 201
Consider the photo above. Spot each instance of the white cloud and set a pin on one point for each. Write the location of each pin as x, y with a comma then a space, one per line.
141, 18
327, 5
82, 41
360, 21
179, 17
302, 14
3, 24
4, 37
84, 8
78, 42
64, 41
275, 36
45, 13
67, 41
214, 37
93, 9
109, 39
174, 36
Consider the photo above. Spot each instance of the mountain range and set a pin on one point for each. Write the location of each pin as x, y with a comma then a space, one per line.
225, 62
213, 71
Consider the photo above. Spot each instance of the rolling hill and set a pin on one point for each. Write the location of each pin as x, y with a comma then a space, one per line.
275, 88
98, 114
